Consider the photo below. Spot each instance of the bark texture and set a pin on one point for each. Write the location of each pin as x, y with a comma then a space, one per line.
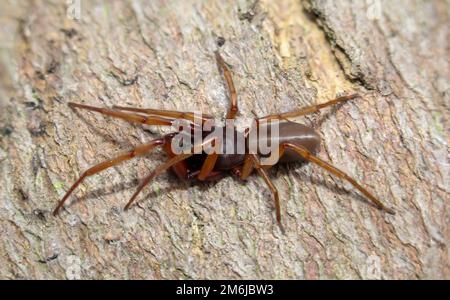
284, 55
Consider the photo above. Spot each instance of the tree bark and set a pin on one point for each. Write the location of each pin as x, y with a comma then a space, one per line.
283, 55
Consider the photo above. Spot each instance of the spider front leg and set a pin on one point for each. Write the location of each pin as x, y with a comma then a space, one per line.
134, 118
161, 168
189, 116
140, 150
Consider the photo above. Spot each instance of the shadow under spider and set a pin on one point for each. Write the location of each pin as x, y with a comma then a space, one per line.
288, 170
280, 171
96, 131
105, 191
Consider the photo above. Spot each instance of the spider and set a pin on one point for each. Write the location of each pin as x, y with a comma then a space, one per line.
297, 142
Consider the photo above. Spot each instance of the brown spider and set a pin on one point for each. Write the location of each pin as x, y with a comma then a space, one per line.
296, 142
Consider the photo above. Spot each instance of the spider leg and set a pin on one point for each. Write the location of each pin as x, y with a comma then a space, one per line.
233, 110
165, 166
247, 168
208, 166
160, 169
209, 163
211, 176
134, 118
269, 183
314, 159
309, 109
140, 150
190, 116
251, 161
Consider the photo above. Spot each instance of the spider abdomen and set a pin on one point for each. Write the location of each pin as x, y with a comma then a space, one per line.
288, 132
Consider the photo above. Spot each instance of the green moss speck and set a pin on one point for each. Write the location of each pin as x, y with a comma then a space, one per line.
58, 185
